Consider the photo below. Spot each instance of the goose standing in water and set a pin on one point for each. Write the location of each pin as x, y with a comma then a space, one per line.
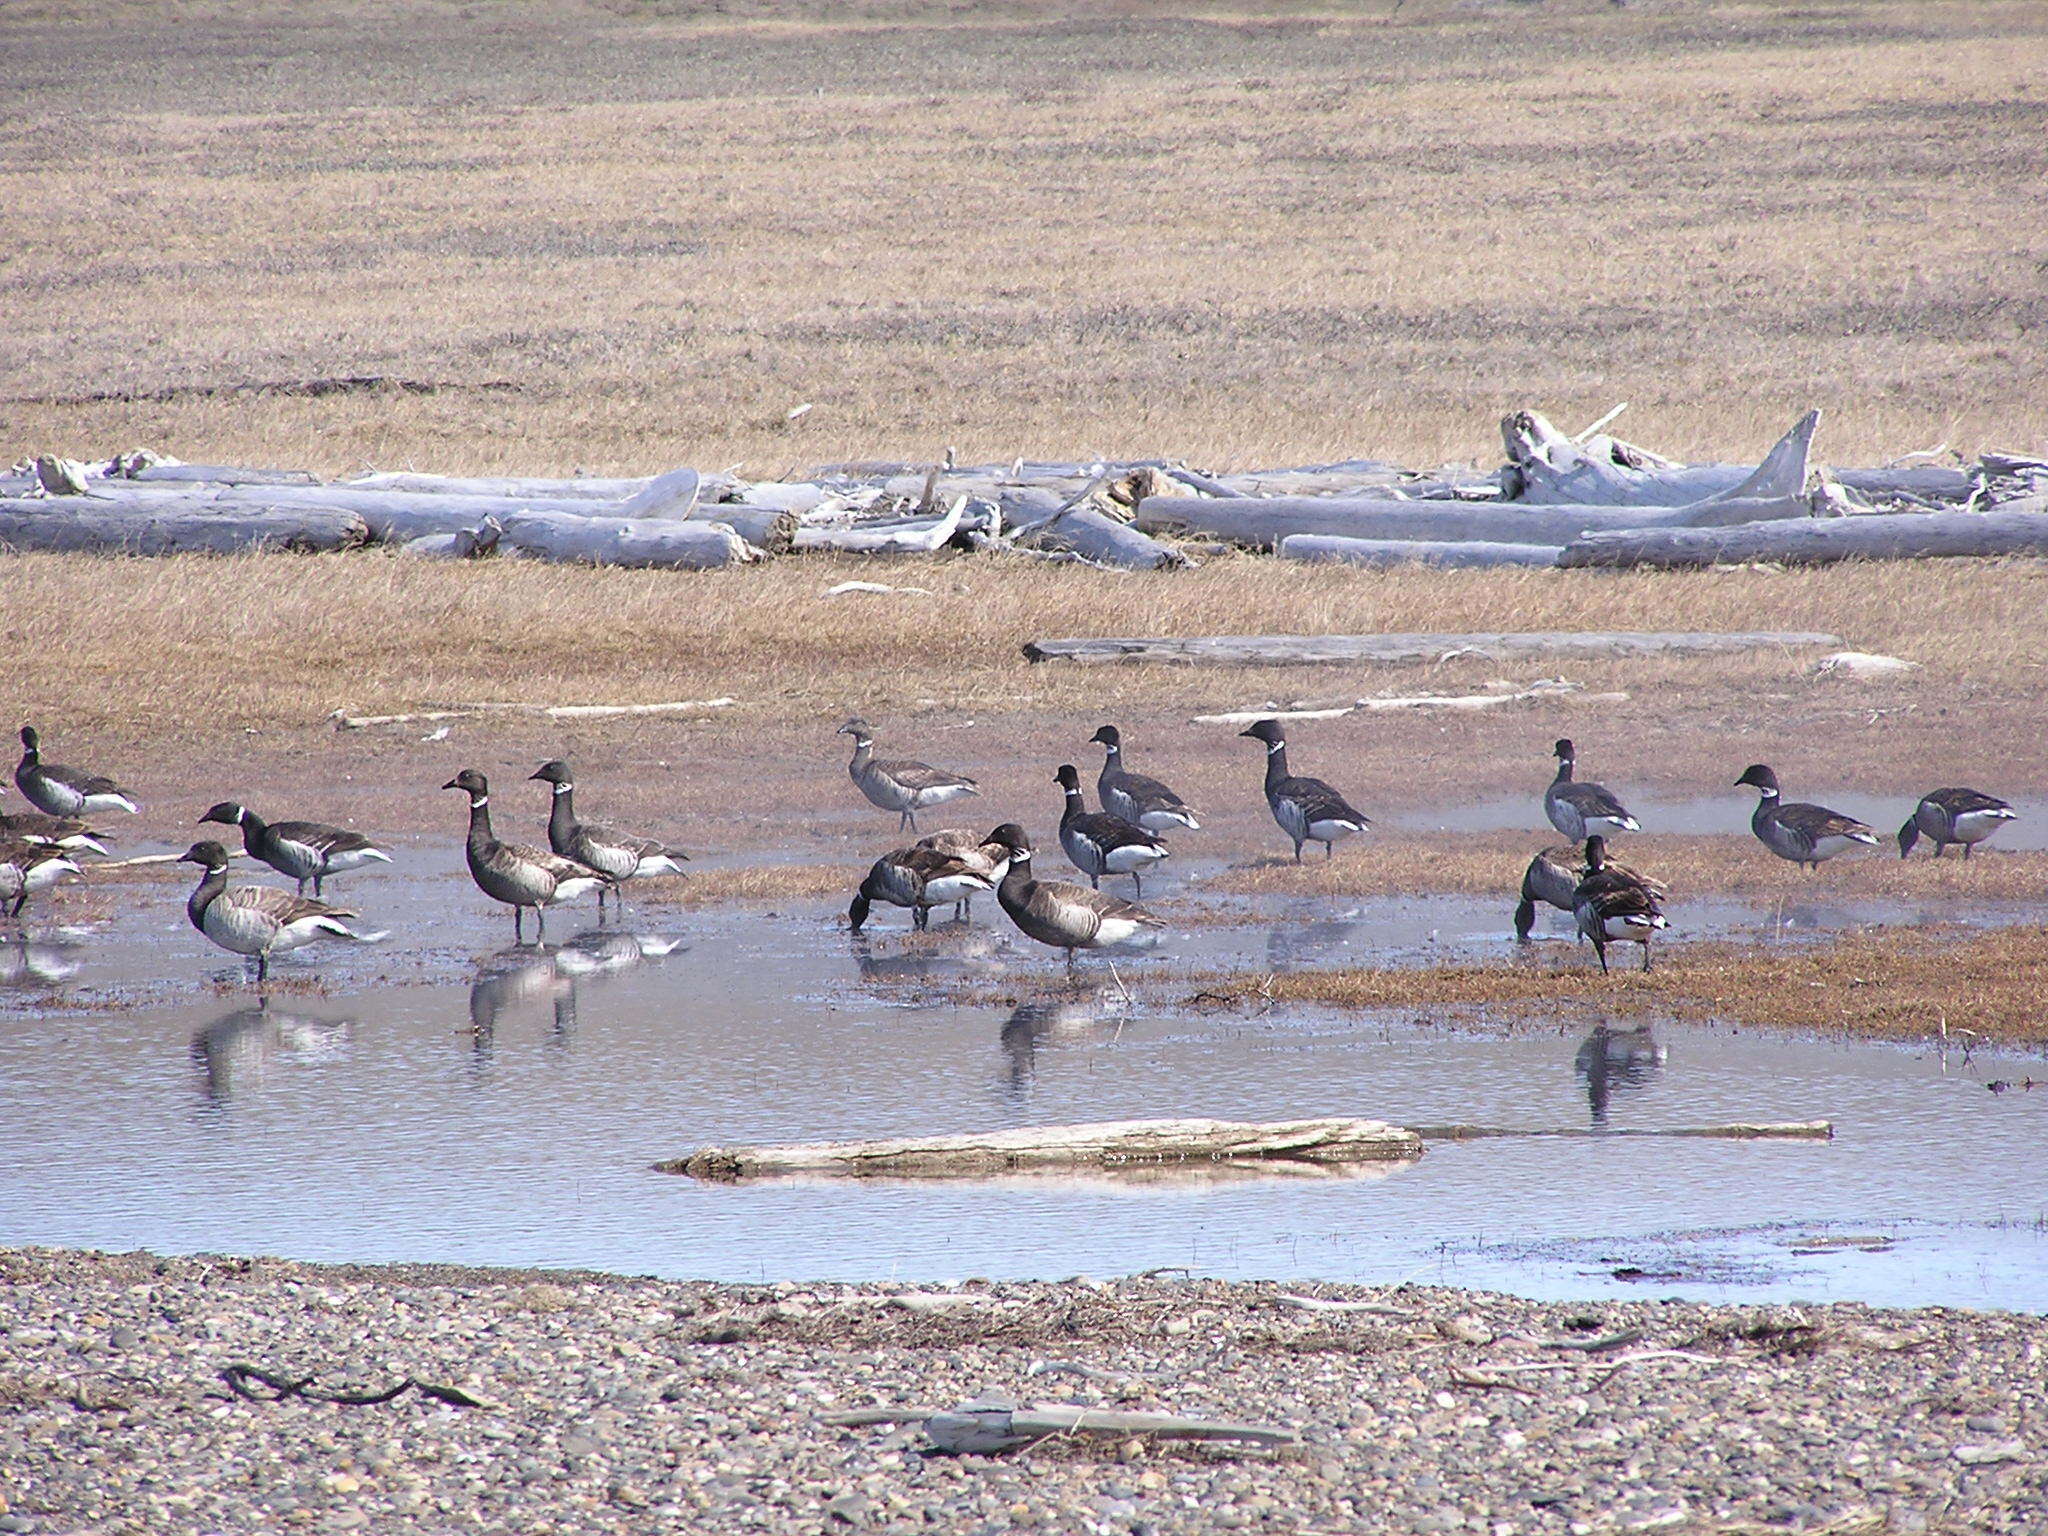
1805, 834
514, 873
1612, 904
1945, 816
57, 831
1100, 844
1066, 916
1553, 878
259, 920
1308, 810
902, 786
620, 855
984, 855
1579, 810
60, 791
303, 850
920, 879
26, 868
1143, 802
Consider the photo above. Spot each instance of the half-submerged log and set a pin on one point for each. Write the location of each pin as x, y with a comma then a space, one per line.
1319, 650
1802, 541
1110, 1146
90, 525
1475, 554
640, 542
1082, 530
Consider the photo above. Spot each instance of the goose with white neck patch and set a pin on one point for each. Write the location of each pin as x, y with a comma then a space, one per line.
1805, 834
902, 785
1100, 844
58, 790
258, 920
303, 850
517, 874
621, 855
1308, 810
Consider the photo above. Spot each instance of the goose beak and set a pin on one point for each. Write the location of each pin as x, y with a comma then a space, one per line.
451, 784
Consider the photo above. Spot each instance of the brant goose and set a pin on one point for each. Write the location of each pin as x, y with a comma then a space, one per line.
1142, 801
1099, 844
1944, 816
920, 879
57, 831
1612, 904
1308, 810
1065, 916
1805, 834
61, 791
1553, 878
304, 850
618, 854
26, 868
1578, 810
984, 855
514, 873
258, 920
901, 786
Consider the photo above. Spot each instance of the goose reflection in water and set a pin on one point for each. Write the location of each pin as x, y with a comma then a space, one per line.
1609, 1059
27, 962
240, 1052
517, 979
1293, 944
948, 952
1065, 1018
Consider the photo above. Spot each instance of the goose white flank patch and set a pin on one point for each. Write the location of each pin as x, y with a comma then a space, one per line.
1100, 844
1612, 904
919, 878
26, 868
515, 873
303, 850
60, 791
621, 855
1805, 834
1308, 810
986, 856
1945, 816
258, 920
1066, 916
1142, 801
1581, 810
901, 785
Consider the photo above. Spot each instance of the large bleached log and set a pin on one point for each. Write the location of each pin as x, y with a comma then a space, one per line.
768, 529
1319, 650
94, 526
1548, 468
1379, 553
1111, 1145
648, 543
1081, 530
1808, 541
919, 537
219, 474
591, 488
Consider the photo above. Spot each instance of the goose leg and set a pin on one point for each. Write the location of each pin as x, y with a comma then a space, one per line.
1094, 880
1329, 849
540, 925
518, 925
262, 967
1600, 949
1646, 954
1966, 851
1297, 850
1137, 883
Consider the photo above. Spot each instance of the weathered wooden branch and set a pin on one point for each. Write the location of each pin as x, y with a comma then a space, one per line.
1454, 701
343, 721
1122, 1144
1315, 650
1795, 1130
1475, 554
1547, 467
991, 1425
771, 530
920, 537
90, 525
1888, 536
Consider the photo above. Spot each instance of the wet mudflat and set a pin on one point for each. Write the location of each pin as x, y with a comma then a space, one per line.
446, 1097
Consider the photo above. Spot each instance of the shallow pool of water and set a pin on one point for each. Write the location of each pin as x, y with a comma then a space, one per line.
446, 1097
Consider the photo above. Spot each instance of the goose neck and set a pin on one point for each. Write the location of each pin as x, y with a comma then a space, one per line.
562, 814
211, 884
479, 821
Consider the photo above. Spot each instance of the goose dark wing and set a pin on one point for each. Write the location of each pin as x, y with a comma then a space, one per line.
915, 775
83, 782
1111, 832
1814, 822
1592, 800
1149, 792
1318, 801
319, 838
553, 863
1961, 802
280, 906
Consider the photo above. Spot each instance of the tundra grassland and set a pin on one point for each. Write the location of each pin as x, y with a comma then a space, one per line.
621, 237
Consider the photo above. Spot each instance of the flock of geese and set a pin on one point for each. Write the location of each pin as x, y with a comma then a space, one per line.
1609, 901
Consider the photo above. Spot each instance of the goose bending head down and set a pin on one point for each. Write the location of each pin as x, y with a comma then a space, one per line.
920, 879
518, 874
1307, 810
1064, 915
60, 791
258, 920
1804, 834
1945, 816
902, 785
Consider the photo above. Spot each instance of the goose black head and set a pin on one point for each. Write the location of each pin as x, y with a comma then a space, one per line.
857, 728
1909, 834
857, 913
1596, 852
227, 812
1012, 837
1267, 731
29, 739
1067, 778
1563, 750
469, 781
1109, 736
1760, 777
209, 853
554, 771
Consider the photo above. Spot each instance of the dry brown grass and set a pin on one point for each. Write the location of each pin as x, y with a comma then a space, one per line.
1078, 228
1901, 985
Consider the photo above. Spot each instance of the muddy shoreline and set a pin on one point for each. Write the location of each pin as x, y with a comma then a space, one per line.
614, 1404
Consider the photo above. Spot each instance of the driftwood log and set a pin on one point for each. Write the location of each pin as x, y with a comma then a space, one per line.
1094, 536
1758, 1130
1314, 650
1547, 467
771, 530
91, 525
1110, 1146
1887, 536
638, 542
1475, 554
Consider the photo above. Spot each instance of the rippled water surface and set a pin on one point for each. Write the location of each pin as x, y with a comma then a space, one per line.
443, 1097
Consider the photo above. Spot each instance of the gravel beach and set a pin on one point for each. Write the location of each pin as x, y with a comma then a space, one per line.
612, 1404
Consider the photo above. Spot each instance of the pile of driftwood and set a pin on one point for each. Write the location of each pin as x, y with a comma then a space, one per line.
1581, 500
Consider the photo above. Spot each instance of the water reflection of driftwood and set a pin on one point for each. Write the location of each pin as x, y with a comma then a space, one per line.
944, 952
26, 962
1611, 1059
514, 980
1077, 1018
240, 1051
